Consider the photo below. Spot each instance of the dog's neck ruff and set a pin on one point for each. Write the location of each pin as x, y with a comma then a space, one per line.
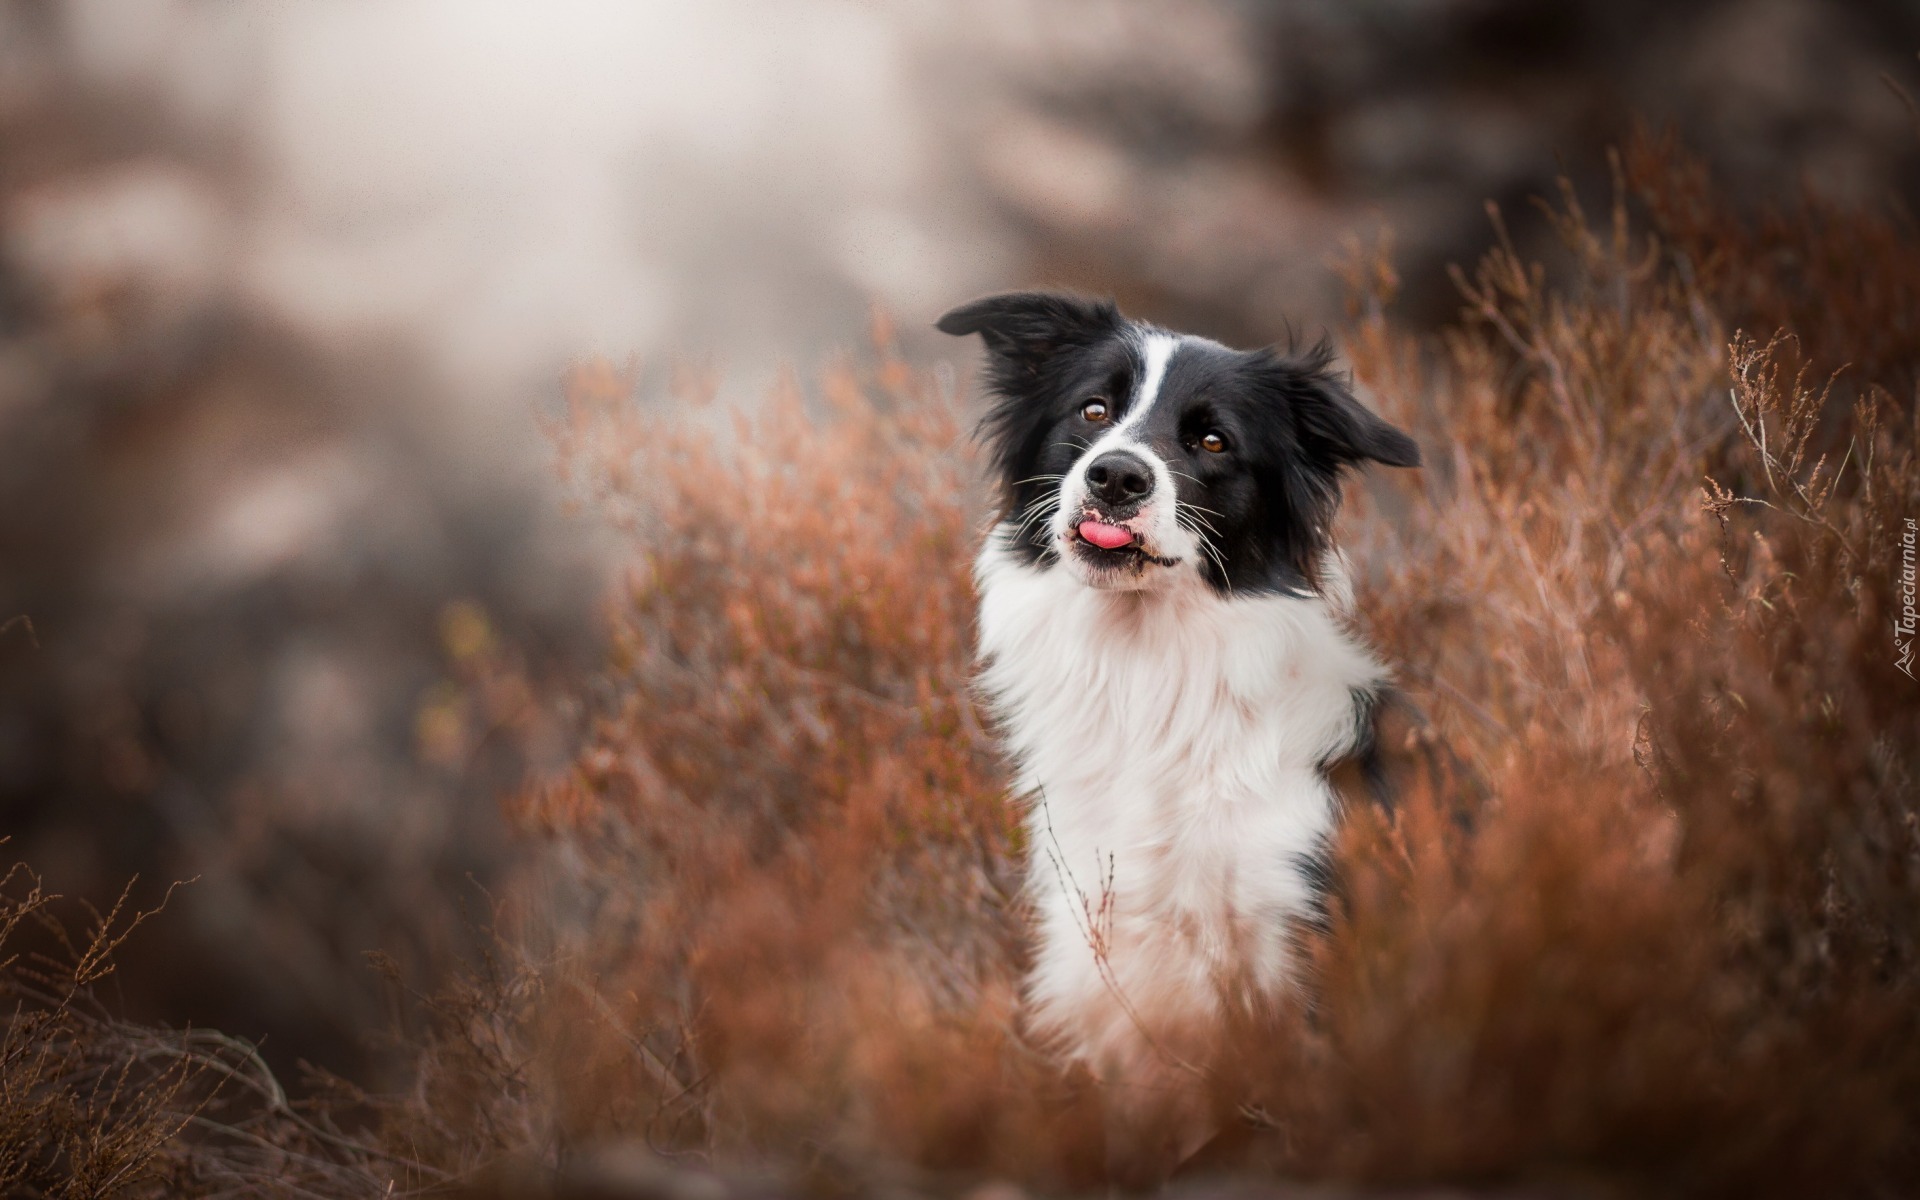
1170, 744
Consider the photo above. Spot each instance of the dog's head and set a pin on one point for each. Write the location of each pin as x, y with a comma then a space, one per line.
1132, 455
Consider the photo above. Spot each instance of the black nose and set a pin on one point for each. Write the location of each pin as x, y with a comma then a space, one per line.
1117, 477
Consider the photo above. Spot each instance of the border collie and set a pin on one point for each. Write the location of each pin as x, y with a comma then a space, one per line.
1162, 639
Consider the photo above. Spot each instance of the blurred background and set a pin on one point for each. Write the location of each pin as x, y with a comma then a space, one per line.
285, 287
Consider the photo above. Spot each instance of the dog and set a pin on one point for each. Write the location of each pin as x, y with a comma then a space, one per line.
1163, 645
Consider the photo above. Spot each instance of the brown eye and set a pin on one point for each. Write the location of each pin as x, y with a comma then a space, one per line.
1213, 443
1094, 410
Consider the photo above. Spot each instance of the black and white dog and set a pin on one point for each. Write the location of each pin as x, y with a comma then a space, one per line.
1162, 639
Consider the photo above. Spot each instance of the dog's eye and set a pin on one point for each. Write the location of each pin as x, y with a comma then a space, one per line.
1094, 410
1213, 443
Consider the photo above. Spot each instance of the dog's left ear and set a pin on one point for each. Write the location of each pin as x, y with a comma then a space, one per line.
1329, 421
1023, 329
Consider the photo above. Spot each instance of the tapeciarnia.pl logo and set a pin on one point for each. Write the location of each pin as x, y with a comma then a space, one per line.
1904, 624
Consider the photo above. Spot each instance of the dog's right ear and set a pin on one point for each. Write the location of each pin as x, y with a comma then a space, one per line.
1024, 329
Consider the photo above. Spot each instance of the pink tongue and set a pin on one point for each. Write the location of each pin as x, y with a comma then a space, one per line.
1105, 536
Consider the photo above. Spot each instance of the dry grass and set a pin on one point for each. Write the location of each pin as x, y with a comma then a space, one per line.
94, 1106
1643, 919
1677, 946
1645, 916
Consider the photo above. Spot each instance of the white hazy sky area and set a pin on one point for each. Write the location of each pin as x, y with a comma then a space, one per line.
499, 188
508, 186
511, 185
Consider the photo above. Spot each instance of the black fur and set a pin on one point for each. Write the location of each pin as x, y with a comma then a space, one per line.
1323, 882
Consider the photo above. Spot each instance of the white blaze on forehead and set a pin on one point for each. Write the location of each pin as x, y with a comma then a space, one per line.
1156, 521
1158, 352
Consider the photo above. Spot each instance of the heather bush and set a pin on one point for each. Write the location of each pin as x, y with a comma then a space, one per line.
93, 1105
1641, 918
1648, 599
1643, 914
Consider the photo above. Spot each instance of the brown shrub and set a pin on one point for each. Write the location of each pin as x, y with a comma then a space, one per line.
1653, 923
95, 1106
1844, 279
787, 847
1643, 918
1677, 944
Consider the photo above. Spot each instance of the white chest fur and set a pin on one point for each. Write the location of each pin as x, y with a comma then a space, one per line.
1169, 744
